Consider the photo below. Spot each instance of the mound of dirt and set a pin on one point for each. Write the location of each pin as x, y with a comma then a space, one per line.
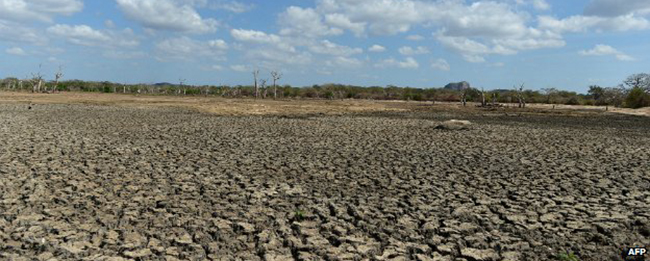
454, 125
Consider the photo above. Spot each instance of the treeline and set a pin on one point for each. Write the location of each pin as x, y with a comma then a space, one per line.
634, 92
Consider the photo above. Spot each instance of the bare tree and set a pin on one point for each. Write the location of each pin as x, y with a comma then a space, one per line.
520, 96
181, 86
550, 93
256, 73
37, 80
639, 80
483, 103
263, 87
463, 97
276, 76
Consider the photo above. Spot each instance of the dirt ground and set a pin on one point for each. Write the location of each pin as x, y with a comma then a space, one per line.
119, 177
223, 106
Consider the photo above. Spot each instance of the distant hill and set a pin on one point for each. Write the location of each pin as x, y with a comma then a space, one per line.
458, 86
163, 84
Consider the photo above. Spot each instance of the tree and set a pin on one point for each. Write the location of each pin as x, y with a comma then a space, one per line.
256, 74
639, 80
57, 77
520, 96
37, 80
263, 87
550, 94
276, 76
597, 93
637, 98
463, 96
613, 96
483, 103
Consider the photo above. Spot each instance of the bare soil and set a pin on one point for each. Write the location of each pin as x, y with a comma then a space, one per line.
117, 177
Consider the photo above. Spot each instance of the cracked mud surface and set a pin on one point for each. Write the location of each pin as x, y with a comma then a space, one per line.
83, 182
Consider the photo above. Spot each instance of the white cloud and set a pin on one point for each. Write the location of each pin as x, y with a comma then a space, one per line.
167, 15
18, 33
376, 48
601, 49
440, 64
218, 44
232, 6
410, 51
241, 68
123, 55
541, 5
214, 67
109, 24
329, 48
15, 51
187, 48
86, 35
384, 17
471, 50
408, 63
270, 57
495, 27
342, 21
613, 8
580, 23
415, 37
305, 22
258, 37
43, 10
345, 62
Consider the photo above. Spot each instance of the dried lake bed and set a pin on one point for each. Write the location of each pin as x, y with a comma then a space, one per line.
107, 182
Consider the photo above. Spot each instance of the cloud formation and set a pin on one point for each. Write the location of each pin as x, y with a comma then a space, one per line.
601, 49
167, 15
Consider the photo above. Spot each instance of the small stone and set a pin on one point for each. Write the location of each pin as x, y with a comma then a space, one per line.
138, 253
184, 239
45, 256
479, 255
246, 227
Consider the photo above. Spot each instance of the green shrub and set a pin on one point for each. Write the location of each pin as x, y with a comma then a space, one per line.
562, 256
572, 101
637, 98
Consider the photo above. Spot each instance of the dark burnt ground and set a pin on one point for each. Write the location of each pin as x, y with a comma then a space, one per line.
108, 183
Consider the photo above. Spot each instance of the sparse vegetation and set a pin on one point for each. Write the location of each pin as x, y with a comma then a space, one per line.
567, 256
633, 92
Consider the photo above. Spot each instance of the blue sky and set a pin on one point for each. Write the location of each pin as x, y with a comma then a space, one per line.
421, 43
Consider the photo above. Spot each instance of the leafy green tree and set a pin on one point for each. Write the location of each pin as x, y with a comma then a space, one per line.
637, 98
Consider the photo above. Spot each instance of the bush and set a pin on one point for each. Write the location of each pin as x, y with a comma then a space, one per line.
637, 98
572, 101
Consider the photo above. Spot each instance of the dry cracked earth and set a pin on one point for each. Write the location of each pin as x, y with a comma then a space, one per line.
86, 182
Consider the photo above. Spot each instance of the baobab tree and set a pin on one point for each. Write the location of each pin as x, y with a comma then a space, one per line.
276, 76
639, 80
57, 77
263, 87
256, 73
37, 80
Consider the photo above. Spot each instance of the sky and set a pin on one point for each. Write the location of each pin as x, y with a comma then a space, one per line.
493, 44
